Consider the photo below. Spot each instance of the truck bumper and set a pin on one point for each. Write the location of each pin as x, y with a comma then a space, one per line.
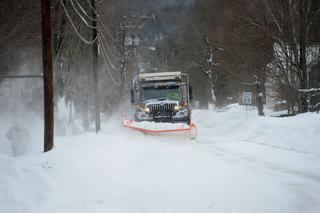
161, 119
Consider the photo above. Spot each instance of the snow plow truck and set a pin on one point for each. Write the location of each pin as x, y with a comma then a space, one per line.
162, 104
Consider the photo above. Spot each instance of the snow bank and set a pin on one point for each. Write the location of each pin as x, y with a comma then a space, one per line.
226, 170
22, 188
301, 132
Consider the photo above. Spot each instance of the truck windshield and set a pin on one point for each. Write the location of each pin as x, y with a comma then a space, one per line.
161, 92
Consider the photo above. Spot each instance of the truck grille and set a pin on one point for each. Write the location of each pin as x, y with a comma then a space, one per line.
161, 107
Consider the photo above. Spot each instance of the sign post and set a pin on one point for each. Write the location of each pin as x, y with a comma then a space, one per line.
247, 100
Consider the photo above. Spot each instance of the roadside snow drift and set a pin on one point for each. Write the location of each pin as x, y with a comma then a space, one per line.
262, 164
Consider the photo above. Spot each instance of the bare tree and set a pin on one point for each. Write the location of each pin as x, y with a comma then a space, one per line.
292, 24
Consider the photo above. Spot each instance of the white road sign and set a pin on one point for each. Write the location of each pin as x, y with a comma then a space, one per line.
247, 98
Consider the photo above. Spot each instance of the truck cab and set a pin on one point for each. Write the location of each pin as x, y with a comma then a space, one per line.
162, 97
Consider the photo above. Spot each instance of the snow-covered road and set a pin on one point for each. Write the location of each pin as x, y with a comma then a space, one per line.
233, 166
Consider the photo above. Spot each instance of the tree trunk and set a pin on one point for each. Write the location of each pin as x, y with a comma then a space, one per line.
303, 77
259, 98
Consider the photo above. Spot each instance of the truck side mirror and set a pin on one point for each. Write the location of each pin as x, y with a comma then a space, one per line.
132, 96
190, 93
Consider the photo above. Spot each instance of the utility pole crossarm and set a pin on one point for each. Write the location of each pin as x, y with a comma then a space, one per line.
21, 76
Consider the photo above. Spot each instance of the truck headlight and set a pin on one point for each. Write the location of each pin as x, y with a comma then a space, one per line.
177, 107
146, 109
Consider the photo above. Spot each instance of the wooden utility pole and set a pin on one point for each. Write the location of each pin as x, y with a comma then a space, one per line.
94, 67
123, 57
47, 74
124, 26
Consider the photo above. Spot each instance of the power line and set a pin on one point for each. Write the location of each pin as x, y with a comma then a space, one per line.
105, 40
105, 56
84, 12
59, 51
104, 26
75, 29
100, 21
104, 50
108, 69
108, 32
81, 17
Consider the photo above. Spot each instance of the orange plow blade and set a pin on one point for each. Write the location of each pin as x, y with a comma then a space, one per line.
177, 130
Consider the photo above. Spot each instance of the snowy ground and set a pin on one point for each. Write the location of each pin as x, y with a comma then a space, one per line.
259, 165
